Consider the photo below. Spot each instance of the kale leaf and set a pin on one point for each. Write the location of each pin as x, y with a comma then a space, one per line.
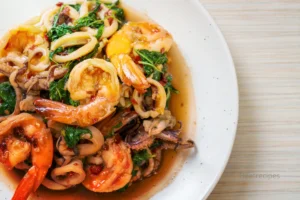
7, 98
140, 157
73, 134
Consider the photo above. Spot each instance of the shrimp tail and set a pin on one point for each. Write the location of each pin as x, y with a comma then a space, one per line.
55, 111
26, 186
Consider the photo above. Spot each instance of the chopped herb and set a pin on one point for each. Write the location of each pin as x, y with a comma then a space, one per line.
7, 98
75, 6
140, 157
150, 59
73, 134
112, 132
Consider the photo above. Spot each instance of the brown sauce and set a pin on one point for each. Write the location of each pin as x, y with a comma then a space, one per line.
182, 107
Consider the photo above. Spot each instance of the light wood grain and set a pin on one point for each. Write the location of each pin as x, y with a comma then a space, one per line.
264, 38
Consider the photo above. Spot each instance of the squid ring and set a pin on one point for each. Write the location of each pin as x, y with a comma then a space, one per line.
74, 39
76, 167
48, 16
44, 60
160, 103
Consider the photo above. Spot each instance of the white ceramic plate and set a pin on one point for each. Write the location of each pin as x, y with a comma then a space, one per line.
214, 82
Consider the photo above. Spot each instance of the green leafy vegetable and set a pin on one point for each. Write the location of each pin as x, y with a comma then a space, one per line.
112, 132
75, 6
140, 157
150, 60
169, 88
7, 98
73, 134
100, 31
118, 13
59, 31
90, 20
57, 92
56, 51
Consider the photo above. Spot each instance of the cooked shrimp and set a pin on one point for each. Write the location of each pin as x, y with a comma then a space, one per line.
93, 79
22, 39
136, 35
139, 35
117, 169
130, 73
21, 136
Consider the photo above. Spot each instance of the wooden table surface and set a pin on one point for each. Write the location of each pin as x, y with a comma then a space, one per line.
264, 39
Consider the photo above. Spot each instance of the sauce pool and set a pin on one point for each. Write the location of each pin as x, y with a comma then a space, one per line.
182, 107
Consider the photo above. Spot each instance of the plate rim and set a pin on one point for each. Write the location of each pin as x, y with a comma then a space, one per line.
235, 80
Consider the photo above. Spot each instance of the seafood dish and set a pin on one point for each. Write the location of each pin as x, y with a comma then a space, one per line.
84, 99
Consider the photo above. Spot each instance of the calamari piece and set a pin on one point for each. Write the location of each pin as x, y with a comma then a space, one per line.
47, 18
130, 73
78, 38
93, 79
61, 175
15, 150
157, 125
96, 141
160, 101
50, 184
111, 24
38, 58
116, 172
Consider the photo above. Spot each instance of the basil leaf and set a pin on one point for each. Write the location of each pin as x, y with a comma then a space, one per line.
140, 157
73, 134
7, 99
